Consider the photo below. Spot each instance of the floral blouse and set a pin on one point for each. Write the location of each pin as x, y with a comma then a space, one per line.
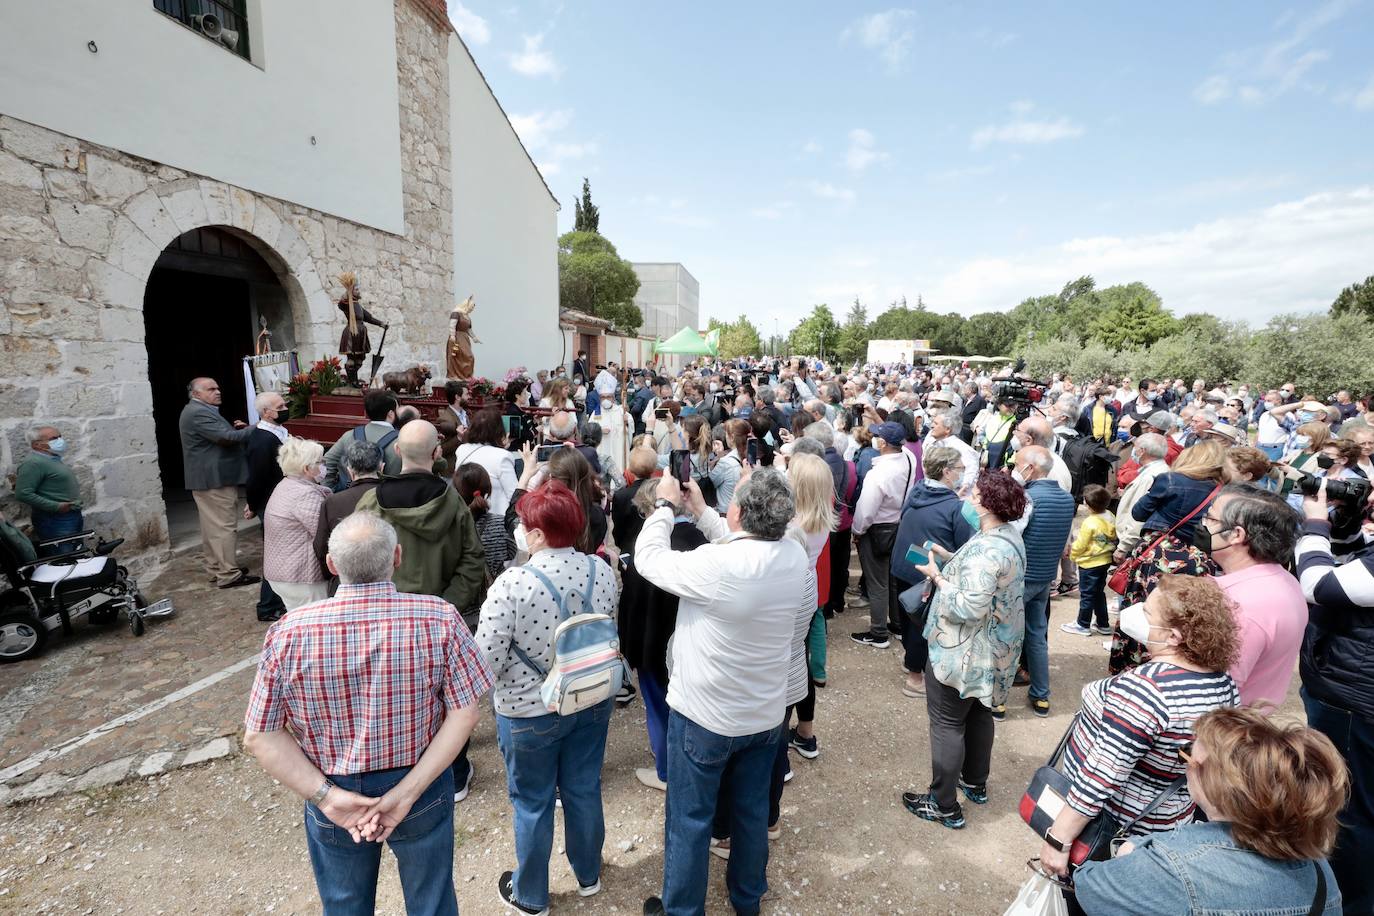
978, 619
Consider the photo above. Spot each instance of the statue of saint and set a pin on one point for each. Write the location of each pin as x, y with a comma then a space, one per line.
461, 362
354, 343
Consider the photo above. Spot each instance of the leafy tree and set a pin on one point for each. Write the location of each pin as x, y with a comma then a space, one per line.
946, 332
817, 335
853, 342
1047, 356
737, 338
900, 323
1133, 317
593, 278
987, 334
1319, 353
1358, 298
586, 218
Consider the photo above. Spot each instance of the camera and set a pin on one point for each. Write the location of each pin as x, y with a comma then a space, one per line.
1353, 491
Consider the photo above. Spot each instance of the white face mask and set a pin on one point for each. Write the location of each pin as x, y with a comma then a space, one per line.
522, 539
1135, 624
1017, 476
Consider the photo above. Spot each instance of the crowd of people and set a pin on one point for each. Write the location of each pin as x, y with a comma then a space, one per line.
1218, 539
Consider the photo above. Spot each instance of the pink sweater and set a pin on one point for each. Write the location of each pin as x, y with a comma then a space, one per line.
288, 532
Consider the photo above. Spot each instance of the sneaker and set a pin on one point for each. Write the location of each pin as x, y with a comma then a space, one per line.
649, 776
915, 691
557, 798
775, 831
626, 695
807, 747
1066, 588
462, 793
925, 807
787, 777
654, 907
856, 603
589, 890
866, 638
999, 712
1075, 629
1022, 679
720, 848
505, 886
1102, 631
1040, 707
976, 794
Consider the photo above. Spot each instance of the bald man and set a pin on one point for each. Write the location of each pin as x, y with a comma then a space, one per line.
214, 467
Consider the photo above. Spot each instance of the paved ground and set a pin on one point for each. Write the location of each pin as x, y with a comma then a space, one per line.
223, 838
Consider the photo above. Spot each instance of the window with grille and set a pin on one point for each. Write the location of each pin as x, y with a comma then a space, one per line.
224, 22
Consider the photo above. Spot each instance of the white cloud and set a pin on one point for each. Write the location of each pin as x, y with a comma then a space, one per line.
471, 26
810, 148
828, 191
889, 33
1255, 75
774, 211
1293, 256
572, 150
534, 60
1364, 99
863, 150
540, 130
687, 220
1021, 129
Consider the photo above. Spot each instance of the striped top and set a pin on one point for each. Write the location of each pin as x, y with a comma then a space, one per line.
1123, 749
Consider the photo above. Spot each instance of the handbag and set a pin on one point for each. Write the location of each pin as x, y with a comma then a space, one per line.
1039, 896
1121, 576
1047, 795
916, 601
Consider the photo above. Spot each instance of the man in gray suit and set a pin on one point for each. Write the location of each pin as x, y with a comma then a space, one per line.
212, 450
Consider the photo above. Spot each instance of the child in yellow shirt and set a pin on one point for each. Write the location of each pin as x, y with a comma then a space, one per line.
1092, 551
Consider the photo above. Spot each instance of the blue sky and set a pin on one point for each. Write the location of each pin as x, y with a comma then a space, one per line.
974, 154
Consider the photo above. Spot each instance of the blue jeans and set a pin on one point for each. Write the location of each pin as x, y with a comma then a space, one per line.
269, 602
49, 525
698, 759
656, 719
1037, 638
543, 753
346, 872
1092, 594
1354, 738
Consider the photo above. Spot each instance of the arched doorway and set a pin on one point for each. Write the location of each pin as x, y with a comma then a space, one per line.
205, 298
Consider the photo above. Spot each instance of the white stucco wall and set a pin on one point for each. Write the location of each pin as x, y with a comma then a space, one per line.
156, 89
505, 231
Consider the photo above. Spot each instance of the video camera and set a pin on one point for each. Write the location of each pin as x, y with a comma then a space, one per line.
1021, 392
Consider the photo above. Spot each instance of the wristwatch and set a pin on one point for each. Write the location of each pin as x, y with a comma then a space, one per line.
662, 503
321, 792
1054, 842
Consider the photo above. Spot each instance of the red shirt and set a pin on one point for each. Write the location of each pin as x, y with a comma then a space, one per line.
362, 679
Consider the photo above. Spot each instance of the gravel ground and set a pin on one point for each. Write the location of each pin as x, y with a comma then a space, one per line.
223, 838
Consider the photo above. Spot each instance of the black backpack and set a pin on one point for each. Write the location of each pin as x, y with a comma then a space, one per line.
1088, 461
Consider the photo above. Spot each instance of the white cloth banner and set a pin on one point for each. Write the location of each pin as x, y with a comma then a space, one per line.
268, 372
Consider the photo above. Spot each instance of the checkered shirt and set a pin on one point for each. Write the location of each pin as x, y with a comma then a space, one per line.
362, 679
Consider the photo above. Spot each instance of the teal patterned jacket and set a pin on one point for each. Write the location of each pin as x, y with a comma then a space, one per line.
978, 618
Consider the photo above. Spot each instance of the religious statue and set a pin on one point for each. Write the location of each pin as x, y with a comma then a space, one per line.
461, 362
354, 342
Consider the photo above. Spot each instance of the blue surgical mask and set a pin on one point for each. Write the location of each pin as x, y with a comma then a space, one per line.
57, 446
1302, 442
1305, 416
970, 514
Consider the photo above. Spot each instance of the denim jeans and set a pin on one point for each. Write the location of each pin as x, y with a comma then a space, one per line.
1092, 594
656, 719
346, 872
49, 525
1354, 738
543, 753
698, 760
720, 828
1037, 638
916, 651
269, 602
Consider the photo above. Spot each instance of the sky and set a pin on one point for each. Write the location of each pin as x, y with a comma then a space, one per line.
790, 154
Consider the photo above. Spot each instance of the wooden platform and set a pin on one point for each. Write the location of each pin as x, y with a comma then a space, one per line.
332, 415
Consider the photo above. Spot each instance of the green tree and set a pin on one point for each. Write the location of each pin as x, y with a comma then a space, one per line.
1046, 356
817, 335
946, 332
1358, 298
1131, 316
853, 342
737, 338
586, 217
901, 323
1319, 353
593, 278
988, 334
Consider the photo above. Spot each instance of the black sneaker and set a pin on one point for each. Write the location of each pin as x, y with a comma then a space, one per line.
866, 638
807, 747
999, 712
1066, 588
627, 694
505, 886
654, 907
1040, 707
925, 807
976, 794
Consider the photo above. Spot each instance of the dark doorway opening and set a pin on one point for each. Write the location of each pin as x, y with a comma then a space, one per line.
200, 312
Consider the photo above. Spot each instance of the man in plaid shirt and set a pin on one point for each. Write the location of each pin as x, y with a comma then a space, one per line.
379, 690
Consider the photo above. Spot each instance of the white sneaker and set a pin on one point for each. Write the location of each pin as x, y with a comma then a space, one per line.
591, 891
720, 848
467, 786
1102, 631
1075, 629
775, 832
649, 776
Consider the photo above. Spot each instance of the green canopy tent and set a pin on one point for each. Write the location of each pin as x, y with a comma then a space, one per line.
686, 342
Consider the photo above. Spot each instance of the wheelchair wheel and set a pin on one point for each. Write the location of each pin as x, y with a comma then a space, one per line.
21, 636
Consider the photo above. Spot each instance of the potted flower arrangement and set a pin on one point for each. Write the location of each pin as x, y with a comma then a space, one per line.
323, 377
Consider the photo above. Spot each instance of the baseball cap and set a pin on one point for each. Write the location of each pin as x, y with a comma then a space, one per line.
891, 433
1161, 420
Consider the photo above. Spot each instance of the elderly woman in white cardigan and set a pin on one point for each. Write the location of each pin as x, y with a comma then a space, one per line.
289, 562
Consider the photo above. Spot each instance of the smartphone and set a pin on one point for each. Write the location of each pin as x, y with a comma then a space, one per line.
680, 464
544, 452
916, 556
624, 561
856, 414
752, 451
664, 415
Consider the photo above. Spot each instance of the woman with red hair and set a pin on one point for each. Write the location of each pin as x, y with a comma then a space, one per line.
546, 753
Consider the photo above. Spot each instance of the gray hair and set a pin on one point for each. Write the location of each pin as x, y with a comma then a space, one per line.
951, 419
1068, 406
263, 399
765, 504
806, 445
1042, 460
297, 455
822, 432
363, 548
767, 396
1152, 444
939, 460
361, 457
1207, 414
562, 425
1270, 524
34, 433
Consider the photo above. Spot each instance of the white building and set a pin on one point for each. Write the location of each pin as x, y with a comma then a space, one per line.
160, 192
669, 298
